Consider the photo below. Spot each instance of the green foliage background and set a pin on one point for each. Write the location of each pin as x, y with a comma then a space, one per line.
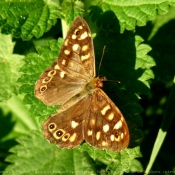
139, 38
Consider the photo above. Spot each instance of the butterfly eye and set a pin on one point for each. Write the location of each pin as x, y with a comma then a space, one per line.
51, 73
43, 88
52, 126
65, 137
46, 80
59, 133
116, 135
77, 32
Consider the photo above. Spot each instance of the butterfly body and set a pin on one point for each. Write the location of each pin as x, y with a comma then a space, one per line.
87, 113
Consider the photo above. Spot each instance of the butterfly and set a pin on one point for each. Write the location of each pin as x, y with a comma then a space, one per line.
87, 113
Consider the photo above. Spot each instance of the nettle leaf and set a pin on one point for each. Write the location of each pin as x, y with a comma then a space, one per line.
76, 8
9, 68
27, 18
117, 162
35, 155
129, 13
125, 60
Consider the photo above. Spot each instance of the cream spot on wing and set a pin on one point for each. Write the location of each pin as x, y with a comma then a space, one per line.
110, 116
75, 47
63, 62
85, 57
73, 137
122, 119
74, 36
118, 125
74, 124
104, 143
80, 27
103, 111
92, 122
98, 134
67, 52
56, 67
89, 34
83, 36
65, 137
112, 137
66, 42
106, 128
91, 72
89, 132
62, 74
70, 64
85, 47
122, 135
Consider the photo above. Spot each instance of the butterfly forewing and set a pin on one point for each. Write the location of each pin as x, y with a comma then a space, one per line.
87, 113
77, 54
55, 87
74, 67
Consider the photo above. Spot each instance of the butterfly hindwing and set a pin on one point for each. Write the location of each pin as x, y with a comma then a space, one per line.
65, 128
105, 126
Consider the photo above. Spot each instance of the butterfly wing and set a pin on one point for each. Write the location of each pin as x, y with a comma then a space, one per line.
73, 69
65, 128
94, 118
105, 126
77, 53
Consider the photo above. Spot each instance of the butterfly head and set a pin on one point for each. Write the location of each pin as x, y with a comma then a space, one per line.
95, 83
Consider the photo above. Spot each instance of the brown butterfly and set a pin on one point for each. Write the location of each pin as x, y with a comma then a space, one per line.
87, 113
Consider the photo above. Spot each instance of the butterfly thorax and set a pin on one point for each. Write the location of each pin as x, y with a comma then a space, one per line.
95, 83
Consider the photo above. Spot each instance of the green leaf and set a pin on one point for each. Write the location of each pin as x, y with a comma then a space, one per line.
161, 40
126, 59
35, 155
114, 68
130, 13
76, 8
27, 18
117, 162
9, 68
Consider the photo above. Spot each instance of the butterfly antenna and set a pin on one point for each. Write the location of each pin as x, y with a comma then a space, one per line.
114, 81
104, 48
